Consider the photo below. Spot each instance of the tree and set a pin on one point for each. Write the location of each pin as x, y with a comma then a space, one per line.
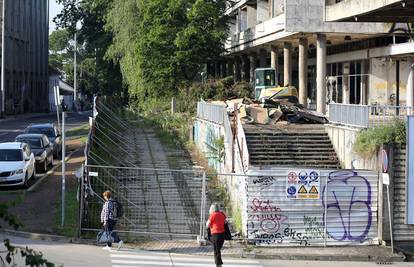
59, 49
162, 44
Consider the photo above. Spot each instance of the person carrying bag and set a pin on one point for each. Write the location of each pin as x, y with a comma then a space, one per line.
216, 225
111, 211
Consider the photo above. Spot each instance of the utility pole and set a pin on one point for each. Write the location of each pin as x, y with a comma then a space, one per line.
3, 61
63, 168
74, 68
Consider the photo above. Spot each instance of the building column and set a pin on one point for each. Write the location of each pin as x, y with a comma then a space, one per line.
274, 61
245, 68
410, 88
303, 71
223, 69
230, 67
236, 70
263, 58
346, 94
216, 69
321, 73
253, 59
287, 64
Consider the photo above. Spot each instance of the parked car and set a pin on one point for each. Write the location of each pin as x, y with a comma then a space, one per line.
17, 164
41, 148
52, 132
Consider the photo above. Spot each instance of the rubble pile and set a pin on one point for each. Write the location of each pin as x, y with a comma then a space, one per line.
272, 110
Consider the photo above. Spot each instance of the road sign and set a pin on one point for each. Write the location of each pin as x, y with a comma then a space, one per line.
384, 157
303, 184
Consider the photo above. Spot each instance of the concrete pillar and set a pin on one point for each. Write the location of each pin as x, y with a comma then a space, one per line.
321, 73
245, 68
274, 61
287, 64
410, 88
263, 58
364, 93
253, 59
216, 70
346, 94
303, 71
223, 69
237, 69
230, 67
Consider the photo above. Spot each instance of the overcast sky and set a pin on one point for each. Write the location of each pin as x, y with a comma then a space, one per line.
54, 10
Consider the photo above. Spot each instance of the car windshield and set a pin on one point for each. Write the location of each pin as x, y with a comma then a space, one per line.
11, 155
49, 132
33, 142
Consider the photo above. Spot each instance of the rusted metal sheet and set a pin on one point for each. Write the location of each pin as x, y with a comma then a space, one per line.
344, 212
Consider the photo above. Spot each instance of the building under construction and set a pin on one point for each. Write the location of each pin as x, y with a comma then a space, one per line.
26, 43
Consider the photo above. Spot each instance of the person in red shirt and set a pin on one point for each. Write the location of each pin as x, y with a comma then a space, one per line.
216, 223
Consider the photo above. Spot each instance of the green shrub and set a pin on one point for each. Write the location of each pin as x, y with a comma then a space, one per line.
369, 141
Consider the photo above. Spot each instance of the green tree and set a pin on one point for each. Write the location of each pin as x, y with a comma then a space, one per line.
59, 46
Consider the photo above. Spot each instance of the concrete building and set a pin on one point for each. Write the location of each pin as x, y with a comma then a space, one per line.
362, 61
26, 55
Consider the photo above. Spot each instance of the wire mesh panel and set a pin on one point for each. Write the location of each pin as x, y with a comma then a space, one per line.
156, 202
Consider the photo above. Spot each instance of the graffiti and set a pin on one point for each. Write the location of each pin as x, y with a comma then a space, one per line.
287, 233
268, 216
348, 203
408, 28
264, 180
313, 228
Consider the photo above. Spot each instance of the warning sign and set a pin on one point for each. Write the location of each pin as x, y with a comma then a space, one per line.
302, 190
303, 184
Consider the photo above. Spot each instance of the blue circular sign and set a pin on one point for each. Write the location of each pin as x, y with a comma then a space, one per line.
291, 190
314, 176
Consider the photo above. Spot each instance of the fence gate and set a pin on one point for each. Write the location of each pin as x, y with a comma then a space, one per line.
156, 202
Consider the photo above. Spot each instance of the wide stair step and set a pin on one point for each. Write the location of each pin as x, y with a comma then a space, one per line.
300, 148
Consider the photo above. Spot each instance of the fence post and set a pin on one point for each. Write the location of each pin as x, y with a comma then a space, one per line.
81, 190
203, 209
326, 211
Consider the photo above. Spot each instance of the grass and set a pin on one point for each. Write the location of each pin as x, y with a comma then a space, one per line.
70, 228
78, 131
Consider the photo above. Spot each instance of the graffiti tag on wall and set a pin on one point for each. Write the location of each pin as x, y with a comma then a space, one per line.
349, 211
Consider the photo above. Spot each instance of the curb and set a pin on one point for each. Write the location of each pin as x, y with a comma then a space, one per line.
50, 172
36, 236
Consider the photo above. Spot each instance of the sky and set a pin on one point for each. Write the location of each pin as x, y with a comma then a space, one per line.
54, 10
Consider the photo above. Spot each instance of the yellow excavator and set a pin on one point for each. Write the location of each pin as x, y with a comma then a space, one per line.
266, 87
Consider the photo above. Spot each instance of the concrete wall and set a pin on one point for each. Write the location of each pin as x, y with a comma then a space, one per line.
343, 139
383, 80
27, 45
308, 16
251, 16
262, 11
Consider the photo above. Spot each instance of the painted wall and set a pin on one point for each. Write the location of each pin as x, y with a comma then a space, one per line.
344, 212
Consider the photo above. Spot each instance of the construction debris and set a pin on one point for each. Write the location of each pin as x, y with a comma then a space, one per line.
273, 109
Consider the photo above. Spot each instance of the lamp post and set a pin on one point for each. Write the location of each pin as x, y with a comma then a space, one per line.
3, 61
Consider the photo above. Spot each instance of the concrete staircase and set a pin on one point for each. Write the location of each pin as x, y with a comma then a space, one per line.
299, 146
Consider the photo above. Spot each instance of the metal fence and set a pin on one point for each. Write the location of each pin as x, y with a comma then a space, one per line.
367, 116
211, 112
157, 203
310, 207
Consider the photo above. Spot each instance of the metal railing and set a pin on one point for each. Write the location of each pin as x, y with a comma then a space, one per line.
367, 116
211, 112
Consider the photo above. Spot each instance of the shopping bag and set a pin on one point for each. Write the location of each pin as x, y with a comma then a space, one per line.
227, 233
104, 237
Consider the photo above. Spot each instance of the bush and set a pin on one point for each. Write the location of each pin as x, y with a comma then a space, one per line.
369, 141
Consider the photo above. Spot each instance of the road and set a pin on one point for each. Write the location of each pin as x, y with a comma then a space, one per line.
10, 128
75, 255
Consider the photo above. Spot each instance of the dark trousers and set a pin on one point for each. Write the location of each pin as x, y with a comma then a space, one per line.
110, 226
218, 241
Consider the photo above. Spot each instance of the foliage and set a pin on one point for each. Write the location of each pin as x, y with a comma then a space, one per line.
71, 215
369, 141
219, 146
32, 258
97, 74
211, 90
162, 44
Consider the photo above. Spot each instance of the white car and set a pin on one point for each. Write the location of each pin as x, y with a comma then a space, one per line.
17, 164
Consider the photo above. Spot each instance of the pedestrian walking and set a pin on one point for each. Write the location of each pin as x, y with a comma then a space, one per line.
216, 223
109, 219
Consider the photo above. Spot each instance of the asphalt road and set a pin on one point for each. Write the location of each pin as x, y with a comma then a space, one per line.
73, 255
10, 128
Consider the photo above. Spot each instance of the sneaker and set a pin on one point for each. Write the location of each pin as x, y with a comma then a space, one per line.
120, 244
106, 248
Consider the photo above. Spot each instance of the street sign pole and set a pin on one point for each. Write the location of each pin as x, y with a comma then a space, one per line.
63, 168
3, 61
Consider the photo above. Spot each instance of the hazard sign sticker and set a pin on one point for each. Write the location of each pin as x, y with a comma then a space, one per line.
303, 184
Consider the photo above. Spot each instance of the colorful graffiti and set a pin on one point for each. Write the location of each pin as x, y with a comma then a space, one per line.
348, 206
